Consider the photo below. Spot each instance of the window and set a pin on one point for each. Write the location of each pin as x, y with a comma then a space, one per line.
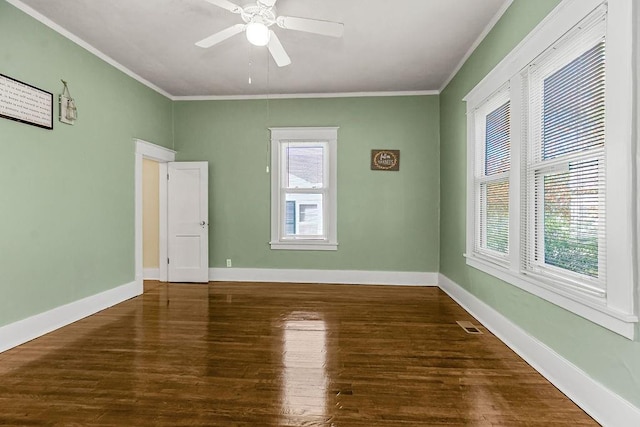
565, 170
550, 148
303, 188
493, 164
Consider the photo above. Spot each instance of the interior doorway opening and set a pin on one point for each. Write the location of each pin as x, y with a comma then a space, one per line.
145, 150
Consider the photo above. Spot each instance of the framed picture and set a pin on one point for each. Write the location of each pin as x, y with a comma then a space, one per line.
24, 103
385, 160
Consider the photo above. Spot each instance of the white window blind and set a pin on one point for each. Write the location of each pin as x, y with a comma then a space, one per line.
570, 182
492, 167
564, 203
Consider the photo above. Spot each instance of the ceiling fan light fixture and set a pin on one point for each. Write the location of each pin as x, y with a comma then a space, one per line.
258, 34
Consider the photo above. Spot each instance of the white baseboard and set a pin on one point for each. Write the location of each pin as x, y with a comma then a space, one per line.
404, 278
151, 273
605, 406
14, 334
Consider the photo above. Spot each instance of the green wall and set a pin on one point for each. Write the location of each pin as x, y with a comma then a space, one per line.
67, 194
607, 357
386, 220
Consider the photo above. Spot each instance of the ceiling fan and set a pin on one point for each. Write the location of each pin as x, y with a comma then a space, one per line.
258, 18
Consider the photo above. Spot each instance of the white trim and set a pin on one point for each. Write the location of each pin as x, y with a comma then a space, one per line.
329, 137
560, 20
477, 42
636, 130
618, 322
619, 147
307, 95
22, 331
304, 246
154, 152
163, 222
605, 406
146, 150
617, 309
351, 277
151, 274
83, 44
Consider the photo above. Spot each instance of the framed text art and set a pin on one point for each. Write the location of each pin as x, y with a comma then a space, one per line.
25, 103
385, 160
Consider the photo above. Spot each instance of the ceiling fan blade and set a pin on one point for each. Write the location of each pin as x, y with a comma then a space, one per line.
277, 51
226, 4
326, 28
221, 36
268, 3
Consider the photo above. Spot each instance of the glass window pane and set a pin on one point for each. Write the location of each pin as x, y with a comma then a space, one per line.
307, 212
573, 100
290, 217
304, 166
496, 216
497, 155
572, 218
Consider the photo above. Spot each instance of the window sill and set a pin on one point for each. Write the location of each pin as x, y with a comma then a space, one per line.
307, 245
590, 308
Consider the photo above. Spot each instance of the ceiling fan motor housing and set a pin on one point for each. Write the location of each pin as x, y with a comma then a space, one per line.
258, 17
258, 12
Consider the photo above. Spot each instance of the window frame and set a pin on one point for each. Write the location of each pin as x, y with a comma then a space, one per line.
616, 310
280, 137
559, 164
481, 112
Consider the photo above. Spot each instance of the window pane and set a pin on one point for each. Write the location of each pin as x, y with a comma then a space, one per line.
572, 218
497, 140
573, 112
290, 217
304, 166
496, 216
307, 217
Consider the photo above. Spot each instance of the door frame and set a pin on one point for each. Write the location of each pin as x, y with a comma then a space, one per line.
162, 155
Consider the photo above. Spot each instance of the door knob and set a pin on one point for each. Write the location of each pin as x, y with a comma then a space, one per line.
202, 223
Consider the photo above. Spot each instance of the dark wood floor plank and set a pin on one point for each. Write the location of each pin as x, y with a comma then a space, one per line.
242, 354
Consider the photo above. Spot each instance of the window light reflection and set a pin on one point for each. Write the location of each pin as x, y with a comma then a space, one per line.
305, 379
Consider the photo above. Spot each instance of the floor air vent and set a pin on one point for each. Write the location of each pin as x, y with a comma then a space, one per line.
469, 327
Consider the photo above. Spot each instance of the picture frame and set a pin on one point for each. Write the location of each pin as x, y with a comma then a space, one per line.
385, 160
25, 103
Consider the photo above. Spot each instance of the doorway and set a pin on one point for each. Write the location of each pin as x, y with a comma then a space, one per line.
150, 219
146, 150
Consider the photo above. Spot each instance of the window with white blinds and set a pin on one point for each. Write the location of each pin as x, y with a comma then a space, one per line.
550, 191
565, 181
492, 176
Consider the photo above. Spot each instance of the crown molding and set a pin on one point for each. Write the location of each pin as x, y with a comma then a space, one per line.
306, 95
83, 44
479, 40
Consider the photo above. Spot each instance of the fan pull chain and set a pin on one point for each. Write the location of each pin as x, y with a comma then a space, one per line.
250, 63
268, 114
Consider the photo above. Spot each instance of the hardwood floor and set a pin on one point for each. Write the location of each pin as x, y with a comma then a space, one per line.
240, 354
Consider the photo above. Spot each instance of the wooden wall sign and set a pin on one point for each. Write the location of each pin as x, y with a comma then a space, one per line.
385, 160
25, 103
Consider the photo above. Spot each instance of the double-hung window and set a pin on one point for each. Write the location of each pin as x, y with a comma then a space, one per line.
565, 161
550, 164
492, 168
303, 188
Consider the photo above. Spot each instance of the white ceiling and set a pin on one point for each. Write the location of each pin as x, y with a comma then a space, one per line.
388, 46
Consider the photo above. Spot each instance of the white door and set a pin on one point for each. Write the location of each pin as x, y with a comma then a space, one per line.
188, 222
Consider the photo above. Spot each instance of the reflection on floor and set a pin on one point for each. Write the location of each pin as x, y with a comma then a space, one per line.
304, 360
241, 354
